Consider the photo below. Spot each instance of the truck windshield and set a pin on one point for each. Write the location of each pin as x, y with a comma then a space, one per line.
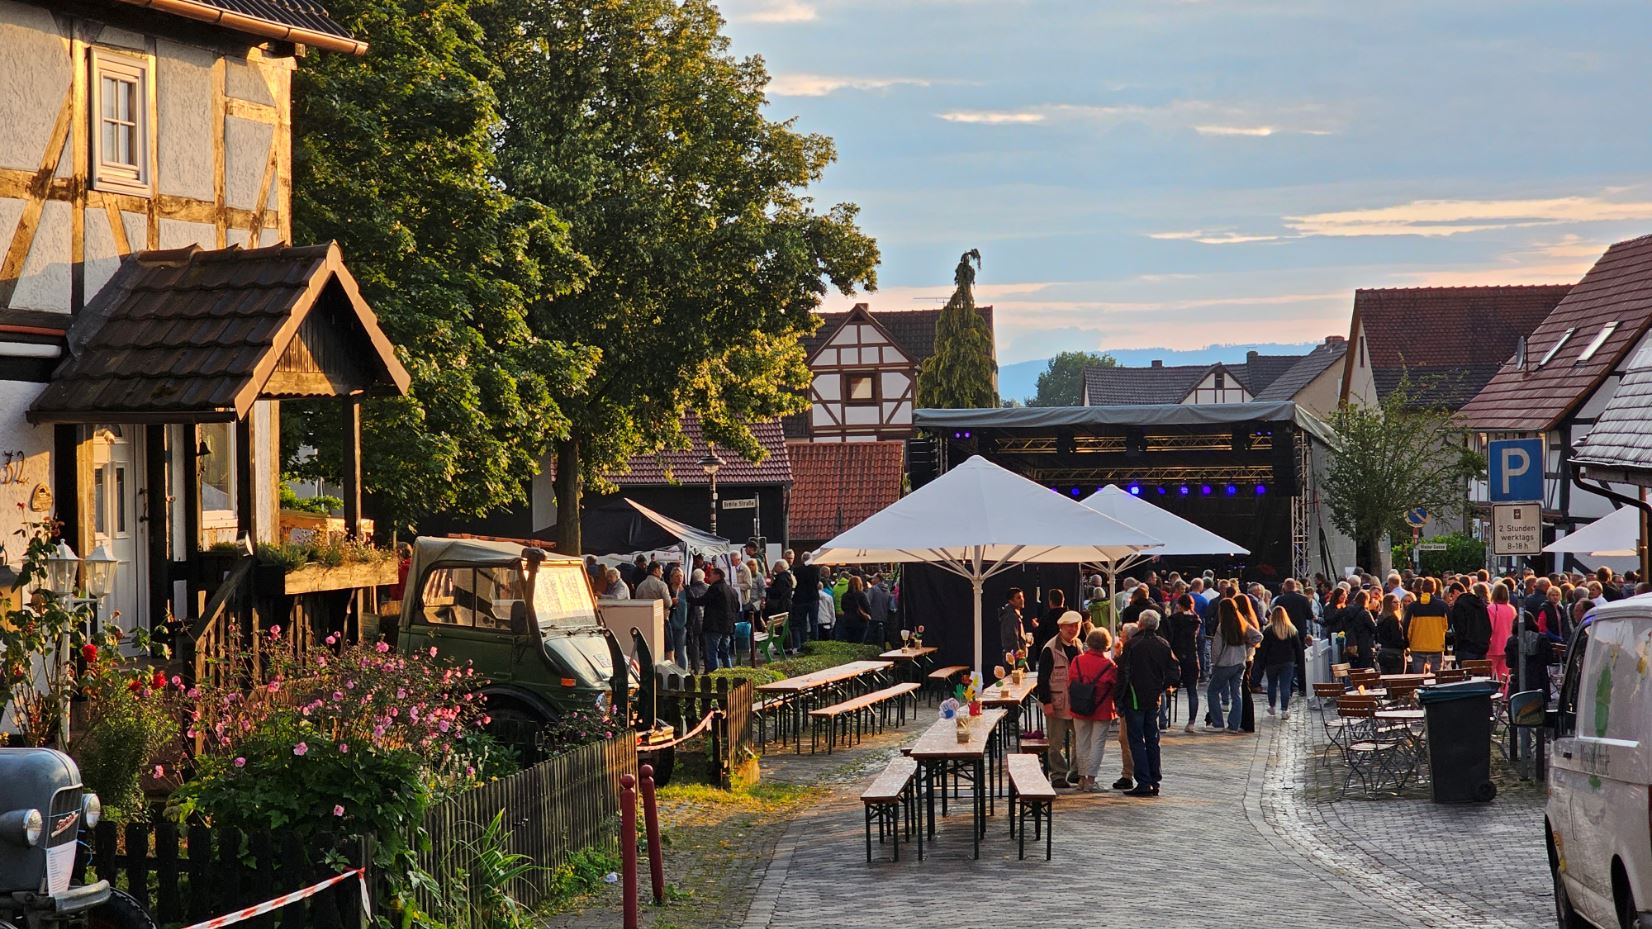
562, 597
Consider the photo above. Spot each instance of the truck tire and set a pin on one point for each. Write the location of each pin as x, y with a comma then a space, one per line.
516, 726
120, 911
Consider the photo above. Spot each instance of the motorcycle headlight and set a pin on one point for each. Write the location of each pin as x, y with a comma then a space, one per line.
93, 810
22, 827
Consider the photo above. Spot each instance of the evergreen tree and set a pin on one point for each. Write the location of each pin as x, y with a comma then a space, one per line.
962, 374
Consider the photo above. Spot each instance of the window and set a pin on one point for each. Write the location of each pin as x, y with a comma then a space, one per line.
1554, 349
217, 457
1572, 685
481, 598
1599, 340
120, 128
857, 388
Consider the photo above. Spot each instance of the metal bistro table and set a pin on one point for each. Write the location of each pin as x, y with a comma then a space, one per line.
800, 692
1017, 702
938, 751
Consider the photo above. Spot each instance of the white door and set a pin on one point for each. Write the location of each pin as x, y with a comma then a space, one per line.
115, 520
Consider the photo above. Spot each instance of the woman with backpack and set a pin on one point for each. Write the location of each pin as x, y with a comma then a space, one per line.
1092, 678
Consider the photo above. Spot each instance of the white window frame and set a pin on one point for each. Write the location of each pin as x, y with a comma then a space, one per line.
119, 177
222, 517
1599, 340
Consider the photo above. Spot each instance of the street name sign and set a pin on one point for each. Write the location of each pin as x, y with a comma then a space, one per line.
1431, 546
1517, 529
740, 503
1515, 469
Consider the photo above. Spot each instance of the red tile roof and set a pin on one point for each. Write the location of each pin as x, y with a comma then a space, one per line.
305, 22
836, 485
682, 467
190, 334
1618, 289
1450, 341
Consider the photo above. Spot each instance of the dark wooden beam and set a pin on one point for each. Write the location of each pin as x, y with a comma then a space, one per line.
66, 482
351, 464
246, 505
158, 526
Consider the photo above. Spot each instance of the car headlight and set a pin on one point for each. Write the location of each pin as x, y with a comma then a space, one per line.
22, 827
93, 810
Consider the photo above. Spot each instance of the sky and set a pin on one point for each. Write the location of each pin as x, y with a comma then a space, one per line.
1143, 173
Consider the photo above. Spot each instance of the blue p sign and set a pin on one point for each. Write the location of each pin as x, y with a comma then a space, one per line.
1516, 470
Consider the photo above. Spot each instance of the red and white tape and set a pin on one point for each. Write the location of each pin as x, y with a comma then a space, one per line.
269, 906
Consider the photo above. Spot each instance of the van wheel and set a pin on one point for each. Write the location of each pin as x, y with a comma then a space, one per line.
120, 911
1565, 916
1628, 915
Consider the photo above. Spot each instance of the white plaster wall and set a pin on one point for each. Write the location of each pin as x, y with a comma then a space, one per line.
35, 442
183, 91
1322, 395
1362, 388
176, 234
246, 152
44, 283
892, 384
102, 258
34, 79
245, 80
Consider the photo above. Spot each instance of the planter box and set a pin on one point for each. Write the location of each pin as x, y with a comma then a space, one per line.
314, 578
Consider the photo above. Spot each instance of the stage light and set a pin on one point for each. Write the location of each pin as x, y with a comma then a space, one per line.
1184, 490
1204, 490
1135, 489
1076, 491
1232, 490
1161, 491
1261, 489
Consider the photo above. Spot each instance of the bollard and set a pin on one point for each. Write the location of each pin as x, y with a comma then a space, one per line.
628, 847
651, 822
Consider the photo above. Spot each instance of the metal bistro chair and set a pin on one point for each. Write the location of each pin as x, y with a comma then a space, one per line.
1378, 756
1337, 729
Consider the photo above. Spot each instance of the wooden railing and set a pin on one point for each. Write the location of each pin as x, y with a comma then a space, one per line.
228, 616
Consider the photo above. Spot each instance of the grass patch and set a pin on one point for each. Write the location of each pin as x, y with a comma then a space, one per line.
817, 656
583, 874
758, 798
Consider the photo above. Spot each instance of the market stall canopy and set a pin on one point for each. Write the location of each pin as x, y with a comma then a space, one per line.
624, 526
978, 519
1616, 535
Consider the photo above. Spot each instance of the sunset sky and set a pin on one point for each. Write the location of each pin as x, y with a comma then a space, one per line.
1181, 173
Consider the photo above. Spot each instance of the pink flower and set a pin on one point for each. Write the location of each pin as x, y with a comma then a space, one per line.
487, 720
240, 762
338, 809
274, 687
275, 632
160, 771
444, 725
193, 694
177, 681
344, 748
382, 647
338, 695
433, 651
470, 771
401, 693
332, 640
301, 749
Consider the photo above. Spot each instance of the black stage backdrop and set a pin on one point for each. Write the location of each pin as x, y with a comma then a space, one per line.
942, 603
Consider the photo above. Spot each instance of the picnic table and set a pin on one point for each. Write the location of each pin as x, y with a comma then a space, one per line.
913, 661
799, 692
938, 752
909, 654
992, 697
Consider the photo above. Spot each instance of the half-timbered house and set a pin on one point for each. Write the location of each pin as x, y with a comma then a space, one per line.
152, 314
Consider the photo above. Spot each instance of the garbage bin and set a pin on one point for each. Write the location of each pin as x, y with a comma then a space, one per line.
1459, 740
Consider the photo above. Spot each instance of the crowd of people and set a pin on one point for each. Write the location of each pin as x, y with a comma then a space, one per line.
706, 605
1238, 643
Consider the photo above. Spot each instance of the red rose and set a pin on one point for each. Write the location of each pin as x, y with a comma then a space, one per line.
134, 685
89, 652
158, 681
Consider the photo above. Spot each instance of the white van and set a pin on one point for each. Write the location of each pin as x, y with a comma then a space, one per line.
1599, 814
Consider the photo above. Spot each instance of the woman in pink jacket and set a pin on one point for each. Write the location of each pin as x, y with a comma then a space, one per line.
1502, 624
1094, 672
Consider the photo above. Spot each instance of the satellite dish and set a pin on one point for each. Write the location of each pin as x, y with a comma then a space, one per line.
1520, 353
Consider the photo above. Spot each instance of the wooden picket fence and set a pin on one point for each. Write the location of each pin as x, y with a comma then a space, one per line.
185, 874
684, 700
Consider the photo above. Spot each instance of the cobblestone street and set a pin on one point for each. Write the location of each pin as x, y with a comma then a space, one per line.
1235, 841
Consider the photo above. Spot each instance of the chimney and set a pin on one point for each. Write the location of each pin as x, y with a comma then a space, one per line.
1250, 357
1158, 362
1335, 339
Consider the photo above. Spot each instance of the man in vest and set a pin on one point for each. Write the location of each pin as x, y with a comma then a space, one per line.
1052, 693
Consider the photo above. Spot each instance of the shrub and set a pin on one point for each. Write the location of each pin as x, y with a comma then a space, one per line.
576, 727
763, 675
1463, 554
125, 735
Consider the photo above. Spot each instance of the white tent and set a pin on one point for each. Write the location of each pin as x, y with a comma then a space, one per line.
1616, 535
979, 519
1179, 536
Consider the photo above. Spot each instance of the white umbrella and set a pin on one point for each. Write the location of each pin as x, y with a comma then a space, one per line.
1616, 535
1180, 537
979, 519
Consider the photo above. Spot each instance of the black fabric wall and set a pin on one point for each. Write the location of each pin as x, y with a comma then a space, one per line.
942, 603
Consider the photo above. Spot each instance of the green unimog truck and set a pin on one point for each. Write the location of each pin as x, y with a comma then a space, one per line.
526, 620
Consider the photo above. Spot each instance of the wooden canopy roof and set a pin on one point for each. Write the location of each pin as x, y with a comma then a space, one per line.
194, 335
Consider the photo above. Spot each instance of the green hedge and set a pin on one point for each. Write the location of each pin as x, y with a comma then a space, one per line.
1463, 554
817, 656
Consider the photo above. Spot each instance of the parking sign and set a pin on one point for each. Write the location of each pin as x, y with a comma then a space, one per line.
1515, 469
1517, 529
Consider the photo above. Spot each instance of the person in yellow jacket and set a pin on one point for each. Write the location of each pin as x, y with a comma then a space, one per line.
1425, 627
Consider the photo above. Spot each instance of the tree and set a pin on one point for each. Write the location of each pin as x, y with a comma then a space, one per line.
1062, 383
1391, 458
962, 374
393, 157
632, 120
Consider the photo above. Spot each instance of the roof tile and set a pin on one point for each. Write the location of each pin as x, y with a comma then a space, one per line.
836, 485
682, 467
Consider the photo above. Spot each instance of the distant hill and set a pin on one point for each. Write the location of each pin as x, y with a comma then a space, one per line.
1019, 381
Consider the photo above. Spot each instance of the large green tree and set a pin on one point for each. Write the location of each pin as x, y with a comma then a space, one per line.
1062, 381
963, 372
394, 158
635, 123
1390, 458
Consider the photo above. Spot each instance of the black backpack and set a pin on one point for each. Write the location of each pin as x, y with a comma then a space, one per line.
1081, 696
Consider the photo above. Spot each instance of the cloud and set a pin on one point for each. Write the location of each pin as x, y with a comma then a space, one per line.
1254, 131
1436, 218
772, 11
992, 117
821, 85
1213, 238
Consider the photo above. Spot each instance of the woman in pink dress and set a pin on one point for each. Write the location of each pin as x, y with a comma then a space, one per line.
1502, 624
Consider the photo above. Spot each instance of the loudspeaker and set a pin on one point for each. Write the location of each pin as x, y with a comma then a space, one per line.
922, 462
1285, 478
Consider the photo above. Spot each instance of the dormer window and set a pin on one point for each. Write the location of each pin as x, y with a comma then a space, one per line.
120, 123
1548, 356
1599, 340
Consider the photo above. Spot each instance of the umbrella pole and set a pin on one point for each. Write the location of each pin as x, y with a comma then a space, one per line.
976, 582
